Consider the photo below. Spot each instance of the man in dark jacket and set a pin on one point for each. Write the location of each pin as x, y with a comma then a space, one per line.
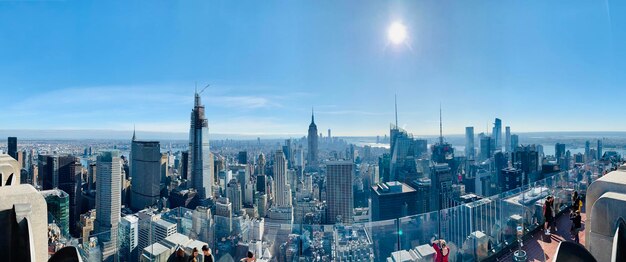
208, 257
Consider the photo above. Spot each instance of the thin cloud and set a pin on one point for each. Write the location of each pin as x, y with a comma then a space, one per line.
243, 102
254, 126
350, 112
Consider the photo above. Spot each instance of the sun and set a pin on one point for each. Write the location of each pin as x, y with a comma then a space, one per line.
397, 33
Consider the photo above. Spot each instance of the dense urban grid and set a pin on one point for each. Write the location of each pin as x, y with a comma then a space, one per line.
314, 198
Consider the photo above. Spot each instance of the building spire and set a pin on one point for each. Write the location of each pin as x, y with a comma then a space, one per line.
440, 126
312, 116
196, 100
395, 99
134, 136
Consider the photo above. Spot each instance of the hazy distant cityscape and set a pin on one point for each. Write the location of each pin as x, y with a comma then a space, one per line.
278, 198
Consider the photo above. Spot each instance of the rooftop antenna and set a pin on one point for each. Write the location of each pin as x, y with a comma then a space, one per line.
312, 115
134, 132
395, 98
440, 126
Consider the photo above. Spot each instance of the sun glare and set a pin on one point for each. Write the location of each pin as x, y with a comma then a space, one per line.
397, 33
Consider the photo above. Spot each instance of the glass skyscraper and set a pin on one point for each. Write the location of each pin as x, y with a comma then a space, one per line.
201, 162
469, 143
497, 134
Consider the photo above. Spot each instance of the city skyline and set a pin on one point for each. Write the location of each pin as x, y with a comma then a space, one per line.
145, 77
437, 130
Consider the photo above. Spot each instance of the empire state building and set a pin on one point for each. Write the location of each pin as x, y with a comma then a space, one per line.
201, 160
312, 141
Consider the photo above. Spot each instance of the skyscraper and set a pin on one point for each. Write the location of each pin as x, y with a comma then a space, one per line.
392, 200
283, 190
70, 181
184, 164
201, 161
202, 224
242, 158
58, 206
486, 147
63, 172
48, 167
288, 150
145, 170
108, 201
469, 143
507, 143
423, 187
223, 217
599, 149
261, 164
12, 147
129, 237
312, 142
514, 142
442, 186
511, 179
404, 150
526, 158
559, 151
339, 194
497, 134
587, 151
233, 192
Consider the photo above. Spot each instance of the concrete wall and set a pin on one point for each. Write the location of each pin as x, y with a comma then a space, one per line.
605, 204
38, 218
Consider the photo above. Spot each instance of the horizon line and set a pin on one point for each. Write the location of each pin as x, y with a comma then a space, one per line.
280, 134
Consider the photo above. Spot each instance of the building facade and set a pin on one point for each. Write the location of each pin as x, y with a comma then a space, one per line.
283, 190
108, 201
145, 171
339, 194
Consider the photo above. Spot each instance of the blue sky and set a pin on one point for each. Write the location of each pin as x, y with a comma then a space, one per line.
538, 65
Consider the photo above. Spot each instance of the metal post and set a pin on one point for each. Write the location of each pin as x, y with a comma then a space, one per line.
439, 227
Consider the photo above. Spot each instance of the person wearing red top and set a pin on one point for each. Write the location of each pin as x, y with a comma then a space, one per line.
443, 252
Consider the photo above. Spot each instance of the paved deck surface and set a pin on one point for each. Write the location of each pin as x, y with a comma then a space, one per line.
541, 247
